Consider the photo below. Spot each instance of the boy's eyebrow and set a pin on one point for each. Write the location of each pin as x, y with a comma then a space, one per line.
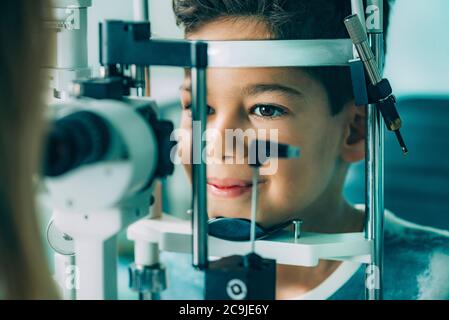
256, 89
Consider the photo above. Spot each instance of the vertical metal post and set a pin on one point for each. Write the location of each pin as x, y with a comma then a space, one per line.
68, 21
254, 202
375, 163
359, 9
199, 177
96, 262
141, 12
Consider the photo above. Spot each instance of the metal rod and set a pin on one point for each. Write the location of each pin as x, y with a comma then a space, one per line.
358, 9
147, 82
199, 177
254, 200
374, 175
139, 80
297, 227
141, 10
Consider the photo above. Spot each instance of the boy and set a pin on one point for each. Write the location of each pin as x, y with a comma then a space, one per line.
312, 108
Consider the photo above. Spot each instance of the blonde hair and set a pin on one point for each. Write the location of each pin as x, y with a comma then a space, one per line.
24, 271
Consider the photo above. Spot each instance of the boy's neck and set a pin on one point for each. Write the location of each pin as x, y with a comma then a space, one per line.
293, 281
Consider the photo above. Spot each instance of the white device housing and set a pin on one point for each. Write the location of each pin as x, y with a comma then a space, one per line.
94, 202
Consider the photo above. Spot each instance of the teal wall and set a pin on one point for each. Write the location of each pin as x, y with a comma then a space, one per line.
418, 58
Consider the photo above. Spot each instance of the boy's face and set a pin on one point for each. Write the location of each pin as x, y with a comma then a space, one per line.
286, 99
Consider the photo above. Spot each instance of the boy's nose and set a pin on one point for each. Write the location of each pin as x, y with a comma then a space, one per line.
228, 141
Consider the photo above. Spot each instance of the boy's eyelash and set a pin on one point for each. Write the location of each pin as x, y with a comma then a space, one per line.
281, 110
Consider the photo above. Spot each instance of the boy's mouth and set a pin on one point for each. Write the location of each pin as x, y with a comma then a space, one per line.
229, 188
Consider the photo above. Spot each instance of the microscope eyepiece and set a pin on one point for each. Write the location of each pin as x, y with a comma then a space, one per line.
80, 138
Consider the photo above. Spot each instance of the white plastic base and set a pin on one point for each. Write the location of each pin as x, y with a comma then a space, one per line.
175, 235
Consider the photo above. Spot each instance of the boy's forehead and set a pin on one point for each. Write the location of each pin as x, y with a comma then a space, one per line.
245, 28
289, 76
242, 28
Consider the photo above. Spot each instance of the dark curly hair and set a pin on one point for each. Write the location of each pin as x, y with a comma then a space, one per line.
287, 20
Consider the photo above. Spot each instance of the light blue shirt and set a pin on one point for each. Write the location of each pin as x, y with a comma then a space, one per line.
416, 266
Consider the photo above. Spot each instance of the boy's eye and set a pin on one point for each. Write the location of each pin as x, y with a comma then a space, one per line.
267, 111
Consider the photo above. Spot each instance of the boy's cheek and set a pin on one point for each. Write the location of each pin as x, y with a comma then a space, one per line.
298, 183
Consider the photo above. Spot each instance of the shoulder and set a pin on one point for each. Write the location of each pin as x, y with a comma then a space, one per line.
416, 259
421, 239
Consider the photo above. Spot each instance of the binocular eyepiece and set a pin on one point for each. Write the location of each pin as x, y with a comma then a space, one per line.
77, 139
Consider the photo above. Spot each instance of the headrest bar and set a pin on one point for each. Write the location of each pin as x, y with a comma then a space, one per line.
279, 53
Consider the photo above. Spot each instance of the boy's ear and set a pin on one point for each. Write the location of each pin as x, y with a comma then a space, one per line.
353, 147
